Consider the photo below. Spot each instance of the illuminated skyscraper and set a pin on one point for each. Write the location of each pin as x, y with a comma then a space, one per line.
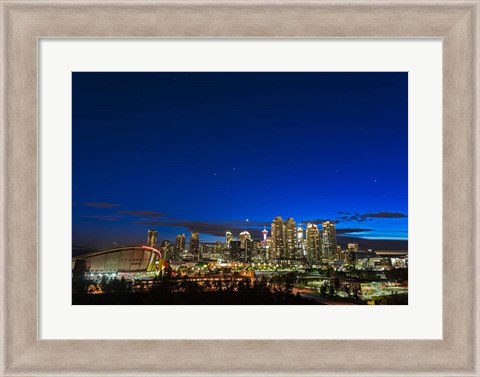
300, 242
290, 238
152, 238
313, 243
194, 246
329, 240
165, 249
352, 247
179, 246
228, 238
243, 237
278, 239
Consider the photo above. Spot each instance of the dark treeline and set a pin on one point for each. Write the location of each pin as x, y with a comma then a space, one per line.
167, 290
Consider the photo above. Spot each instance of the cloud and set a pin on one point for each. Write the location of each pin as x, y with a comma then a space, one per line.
142, 213
352, 230
385, 215
315, 221
217, 229
104, 217
362, 217
101, 204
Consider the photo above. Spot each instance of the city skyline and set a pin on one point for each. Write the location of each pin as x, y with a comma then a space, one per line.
216, 152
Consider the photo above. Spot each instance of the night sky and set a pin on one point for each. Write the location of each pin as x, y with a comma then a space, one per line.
211, 152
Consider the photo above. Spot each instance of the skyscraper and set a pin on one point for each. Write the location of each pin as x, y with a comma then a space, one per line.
329, 240
228, 238
179, 246
290, 238
152, 238
352, 247
300, 242
313, 243
194, 246
278, 239
165, 249
243, 237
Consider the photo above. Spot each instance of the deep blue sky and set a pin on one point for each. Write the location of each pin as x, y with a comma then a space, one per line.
178, 152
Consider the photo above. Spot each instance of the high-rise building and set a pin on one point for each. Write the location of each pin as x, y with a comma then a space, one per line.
194, 246
352, 247
179, 246
300, 242
228, 238
278, 239
152, 238
290, 238
313, 243
329, 240
165, 249
243, 237
218, 247
235, 251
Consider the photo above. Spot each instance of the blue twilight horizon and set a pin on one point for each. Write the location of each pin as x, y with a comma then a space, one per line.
228, 151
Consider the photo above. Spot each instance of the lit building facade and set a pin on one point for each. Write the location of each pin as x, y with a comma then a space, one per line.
243, 238
300, 243
329, 240
278, 239
194, 245
290, 238
228, 238
152, 238
313, 243
179, 246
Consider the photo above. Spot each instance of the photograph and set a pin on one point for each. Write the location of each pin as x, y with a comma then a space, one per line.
239, 188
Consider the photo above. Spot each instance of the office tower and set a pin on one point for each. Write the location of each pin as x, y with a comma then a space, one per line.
313, 244
152, 238
278, 239
300, 242
235, 251
165, 249
179, 246
218, 247
352, 247
194, 246
290, 238
243, 237
228, 238
329, 240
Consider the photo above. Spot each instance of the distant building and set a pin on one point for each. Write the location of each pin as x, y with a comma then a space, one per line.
228, 238
194, 245
300, 242
313, 243
152, 238
235, 251
278, 239
290, 238
218, 247
165, 249
352, 247
243, 238
329, 240
179, 246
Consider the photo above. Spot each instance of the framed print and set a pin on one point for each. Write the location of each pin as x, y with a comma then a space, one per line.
268, 187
